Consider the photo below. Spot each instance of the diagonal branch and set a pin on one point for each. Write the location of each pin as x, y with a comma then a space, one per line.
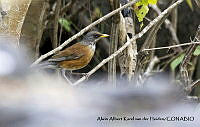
168, 25
139, 35
169, 47
83, 31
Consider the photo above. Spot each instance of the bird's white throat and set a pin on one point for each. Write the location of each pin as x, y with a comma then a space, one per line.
92, 46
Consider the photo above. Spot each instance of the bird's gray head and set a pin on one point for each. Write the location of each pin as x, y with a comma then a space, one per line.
92, 37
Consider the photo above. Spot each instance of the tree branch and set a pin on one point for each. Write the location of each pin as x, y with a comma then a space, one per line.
128, 59
83, 31
139, 35
55, 30
169, 47
113, 43
168, 25
184, 74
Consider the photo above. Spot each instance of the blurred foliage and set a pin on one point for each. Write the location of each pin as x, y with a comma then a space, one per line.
65, 23
177, 61
141, 9
96, 13
189, 2
197, 51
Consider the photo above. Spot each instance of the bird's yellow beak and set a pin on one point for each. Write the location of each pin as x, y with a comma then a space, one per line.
104, 35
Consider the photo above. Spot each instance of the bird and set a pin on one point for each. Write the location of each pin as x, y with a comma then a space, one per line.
76, 56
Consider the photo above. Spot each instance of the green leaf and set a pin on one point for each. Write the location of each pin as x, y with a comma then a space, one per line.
152, 1
65, 23
197, 51
142, 2
189, 2
141, 25
141, 13
142, 9
176, 62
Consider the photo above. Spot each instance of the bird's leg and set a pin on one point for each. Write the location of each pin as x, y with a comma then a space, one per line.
64, 75
82, 74
75, 73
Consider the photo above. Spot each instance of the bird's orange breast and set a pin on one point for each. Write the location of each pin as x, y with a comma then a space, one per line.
86, 54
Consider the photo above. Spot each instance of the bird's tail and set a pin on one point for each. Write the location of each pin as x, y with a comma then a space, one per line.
46, 64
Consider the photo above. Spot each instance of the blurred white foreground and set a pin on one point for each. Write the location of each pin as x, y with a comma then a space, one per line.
33, 99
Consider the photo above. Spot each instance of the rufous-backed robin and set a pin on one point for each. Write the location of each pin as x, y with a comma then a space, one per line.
78, 55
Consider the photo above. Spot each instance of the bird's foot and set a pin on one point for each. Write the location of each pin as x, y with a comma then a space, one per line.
86, 76
82, 74
74, 73
65, 77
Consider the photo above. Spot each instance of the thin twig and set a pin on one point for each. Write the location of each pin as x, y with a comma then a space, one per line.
83, 31
148, 72
166, 63
184, 74
55, 30
61, 29
153, 62
139, 35
40, 31
174, 18
169, 47
192, 85
128, 59
193, 98
195, 84
114, 39
168, 25
80, 8
67, 7
166, 56
64, 9
150, 42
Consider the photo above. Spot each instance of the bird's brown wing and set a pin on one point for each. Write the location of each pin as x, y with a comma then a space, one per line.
70, 53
